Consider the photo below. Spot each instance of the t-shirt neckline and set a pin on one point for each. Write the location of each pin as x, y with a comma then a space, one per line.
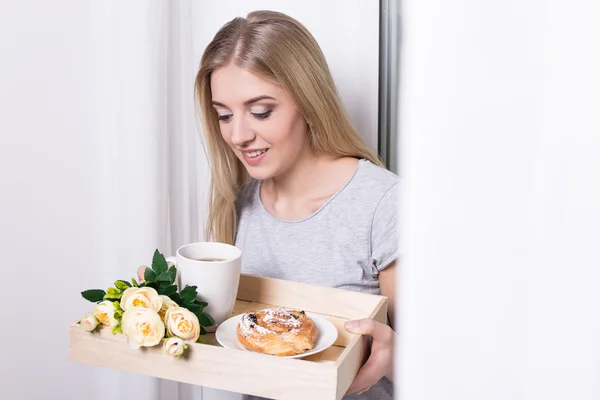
319, 210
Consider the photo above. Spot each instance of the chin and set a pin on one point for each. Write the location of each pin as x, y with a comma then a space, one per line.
268, 168
260, 173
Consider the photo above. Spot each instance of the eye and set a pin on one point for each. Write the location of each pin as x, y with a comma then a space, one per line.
225, 118
263, 115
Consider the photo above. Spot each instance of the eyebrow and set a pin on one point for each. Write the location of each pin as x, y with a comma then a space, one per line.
247, 102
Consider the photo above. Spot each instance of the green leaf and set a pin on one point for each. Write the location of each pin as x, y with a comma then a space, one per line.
193, 308
163, 285
114, 291
123, 285
159, 263
206, 319
164, 277
173, 273
188, 294
149, 275
175, 297
116, 329
202, 330
169, 290
201, 303
112, 296
93, 295
153, 285
134, 283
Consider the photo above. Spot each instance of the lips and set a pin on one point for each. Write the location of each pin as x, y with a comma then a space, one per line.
254, 157
254, 154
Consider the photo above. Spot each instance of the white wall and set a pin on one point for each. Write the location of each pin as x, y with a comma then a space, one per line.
83, 198
47, 193
500, 143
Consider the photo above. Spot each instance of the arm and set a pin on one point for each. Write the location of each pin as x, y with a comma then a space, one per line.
384, 247
387, 283
381, 360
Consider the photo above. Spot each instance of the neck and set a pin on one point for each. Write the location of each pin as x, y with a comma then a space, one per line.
301, 179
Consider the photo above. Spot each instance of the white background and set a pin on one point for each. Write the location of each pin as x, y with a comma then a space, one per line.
500, 136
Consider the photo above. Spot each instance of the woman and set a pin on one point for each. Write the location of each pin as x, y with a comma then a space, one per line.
293, 185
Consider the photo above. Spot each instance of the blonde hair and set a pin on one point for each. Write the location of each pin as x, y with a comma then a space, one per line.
281, 50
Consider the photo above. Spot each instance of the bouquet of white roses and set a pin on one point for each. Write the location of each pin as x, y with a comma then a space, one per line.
150, 312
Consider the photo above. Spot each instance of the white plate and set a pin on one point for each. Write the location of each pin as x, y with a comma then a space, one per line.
326, 335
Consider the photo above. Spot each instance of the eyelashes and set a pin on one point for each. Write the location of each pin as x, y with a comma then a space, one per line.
264, 115
259, 116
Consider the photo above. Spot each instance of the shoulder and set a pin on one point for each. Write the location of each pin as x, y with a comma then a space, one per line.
375, 182
384, 187
371, 195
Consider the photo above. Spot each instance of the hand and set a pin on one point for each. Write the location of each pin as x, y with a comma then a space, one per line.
381, 360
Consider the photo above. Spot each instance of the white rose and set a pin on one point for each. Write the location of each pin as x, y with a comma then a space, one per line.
174, 347
89, 322
143, 327
182, 323
105, 312
145, 297
166, 304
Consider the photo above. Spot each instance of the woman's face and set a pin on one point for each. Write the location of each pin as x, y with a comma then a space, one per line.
259, 121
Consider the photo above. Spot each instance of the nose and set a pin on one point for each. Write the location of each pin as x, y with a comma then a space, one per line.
241, 132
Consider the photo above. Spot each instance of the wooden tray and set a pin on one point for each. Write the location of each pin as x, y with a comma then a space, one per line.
324, 376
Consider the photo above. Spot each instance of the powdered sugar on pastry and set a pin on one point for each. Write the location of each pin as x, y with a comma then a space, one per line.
277, 331
278, 319
249, 324
280, 316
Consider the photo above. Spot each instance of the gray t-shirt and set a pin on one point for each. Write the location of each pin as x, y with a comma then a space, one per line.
344, 244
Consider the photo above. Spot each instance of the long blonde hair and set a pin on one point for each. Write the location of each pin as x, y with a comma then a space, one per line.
281, 50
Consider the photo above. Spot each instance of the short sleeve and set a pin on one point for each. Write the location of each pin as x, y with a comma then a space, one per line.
385, 241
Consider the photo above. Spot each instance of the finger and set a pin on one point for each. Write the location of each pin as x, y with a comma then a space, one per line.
140, 272
367, 376
357, 391
363, 390
380, 332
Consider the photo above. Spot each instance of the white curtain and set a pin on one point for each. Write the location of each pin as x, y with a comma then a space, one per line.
101, 164
148, 154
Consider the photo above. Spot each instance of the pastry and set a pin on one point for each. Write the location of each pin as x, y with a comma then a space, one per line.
277, 331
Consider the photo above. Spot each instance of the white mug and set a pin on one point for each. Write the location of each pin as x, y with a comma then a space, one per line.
214, 268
